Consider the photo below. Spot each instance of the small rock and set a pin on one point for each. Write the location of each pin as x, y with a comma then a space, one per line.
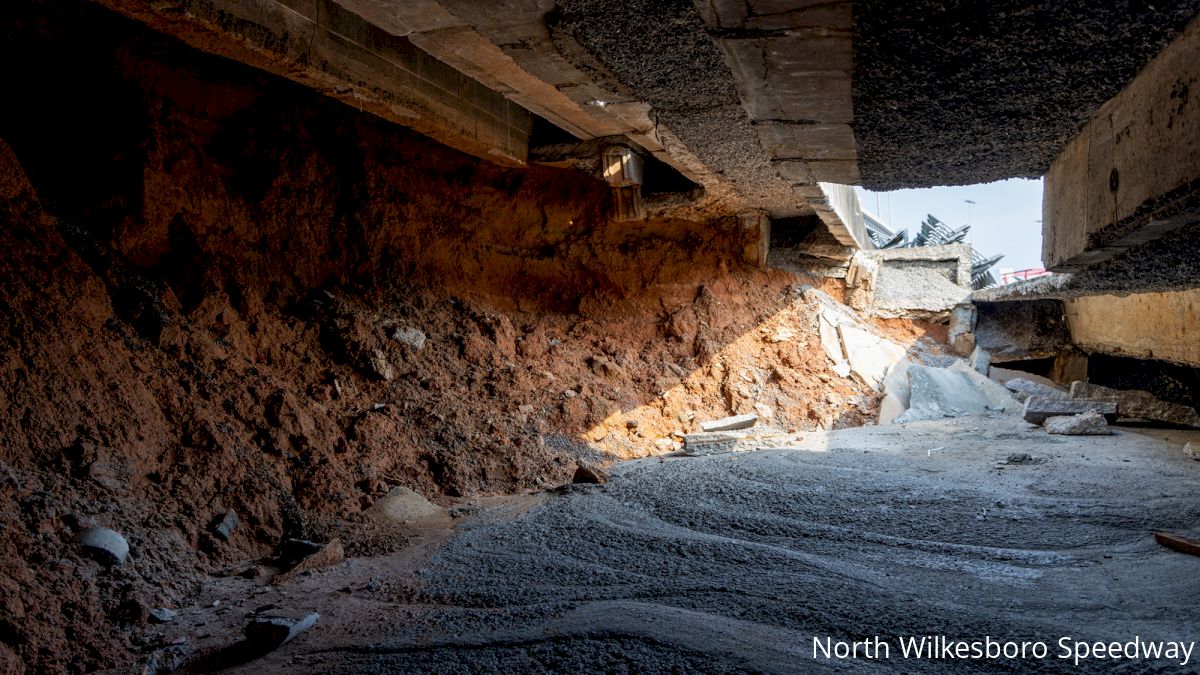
664, 444
570, 393
1087, 424
411, 337
380, 366
163, 615
525, 409
731, 423
589, 474
330, 554
631, 424
1191, 451
270, 632
687, 415
224, 527
105, 545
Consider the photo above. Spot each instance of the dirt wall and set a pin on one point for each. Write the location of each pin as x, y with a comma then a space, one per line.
214, 288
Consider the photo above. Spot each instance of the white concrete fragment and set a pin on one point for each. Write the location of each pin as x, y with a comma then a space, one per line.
105, 544
731, 423
870, 356
269, 632
1191, 451
827, 330
1087, 424
896, 392
951, 392
842, 369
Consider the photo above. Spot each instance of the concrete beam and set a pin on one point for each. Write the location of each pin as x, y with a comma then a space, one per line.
322, 45
1132, 175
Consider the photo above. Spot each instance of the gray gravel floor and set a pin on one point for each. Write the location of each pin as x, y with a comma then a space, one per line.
734, 563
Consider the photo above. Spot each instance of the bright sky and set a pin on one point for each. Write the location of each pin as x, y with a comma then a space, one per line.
1005, 218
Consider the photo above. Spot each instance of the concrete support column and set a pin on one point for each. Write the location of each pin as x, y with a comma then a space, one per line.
1133, 173
756, 228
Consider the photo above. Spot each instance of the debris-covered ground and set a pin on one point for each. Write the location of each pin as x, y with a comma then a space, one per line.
972, 527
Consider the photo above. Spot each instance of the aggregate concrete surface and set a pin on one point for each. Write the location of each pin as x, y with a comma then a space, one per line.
734, 563
955, 93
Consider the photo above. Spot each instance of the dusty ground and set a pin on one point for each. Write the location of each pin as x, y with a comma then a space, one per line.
735, 562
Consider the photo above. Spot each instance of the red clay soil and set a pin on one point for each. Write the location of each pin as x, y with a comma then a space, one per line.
200, 290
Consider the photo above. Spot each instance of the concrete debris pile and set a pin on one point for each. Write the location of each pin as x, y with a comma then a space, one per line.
954, 391
854, 347
1038, 409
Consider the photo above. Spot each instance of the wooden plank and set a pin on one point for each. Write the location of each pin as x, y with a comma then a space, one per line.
1178, 543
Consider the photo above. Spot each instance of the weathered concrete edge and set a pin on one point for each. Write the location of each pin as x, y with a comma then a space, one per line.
347, 58
1133, 173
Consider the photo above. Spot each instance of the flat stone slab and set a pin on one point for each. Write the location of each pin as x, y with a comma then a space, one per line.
1040, 408
1087, 424
1137, 404
731, 423
1023, 388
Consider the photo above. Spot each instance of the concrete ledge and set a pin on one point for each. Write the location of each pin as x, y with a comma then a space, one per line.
320, 44
1133, 173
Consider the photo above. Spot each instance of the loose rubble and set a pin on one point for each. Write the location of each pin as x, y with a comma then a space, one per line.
1133, 404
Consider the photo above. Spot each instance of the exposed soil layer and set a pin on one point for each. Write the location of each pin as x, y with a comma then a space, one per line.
223, 292
960, 92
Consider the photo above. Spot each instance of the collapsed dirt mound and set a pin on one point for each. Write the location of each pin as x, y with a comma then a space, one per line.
241, 297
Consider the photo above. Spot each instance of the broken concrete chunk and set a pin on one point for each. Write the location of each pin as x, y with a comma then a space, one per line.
731, 423
106, 545
1136, 404
827, 330
1023, 388
1191, 451
411, 337
869, 355
224, 527
981, 360
402, 505
941, 392
998, 398
1040, 408
1087, 424
162, 615
328, 555
709, 443
589, 474
896, 392
842, 369
270, 632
